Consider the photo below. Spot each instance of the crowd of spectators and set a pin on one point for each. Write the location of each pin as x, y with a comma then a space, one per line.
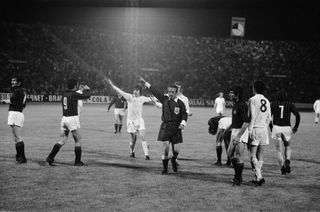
47, 55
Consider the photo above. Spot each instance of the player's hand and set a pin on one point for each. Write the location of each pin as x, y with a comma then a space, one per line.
85, 87
294, 130
109, 81
6, 101
141, 80
236, 140
181, 127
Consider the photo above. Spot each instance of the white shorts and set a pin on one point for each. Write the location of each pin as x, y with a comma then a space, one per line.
285, 130
15, 118
243, 138
119, 111
219, 110
135, 125
260, 136
70, 123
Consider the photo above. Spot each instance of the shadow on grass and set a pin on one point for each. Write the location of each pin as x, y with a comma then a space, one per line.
307, 160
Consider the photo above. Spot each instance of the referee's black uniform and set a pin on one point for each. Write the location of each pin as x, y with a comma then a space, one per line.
70, 101
281, 113
173, 112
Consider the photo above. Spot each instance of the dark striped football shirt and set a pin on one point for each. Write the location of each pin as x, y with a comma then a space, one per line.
239, 114
17, 99
281, 113
118, 102
70, 101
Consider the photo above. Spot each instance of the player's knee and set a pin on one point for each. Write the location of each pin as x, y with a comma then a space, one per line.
62, 142
286, 143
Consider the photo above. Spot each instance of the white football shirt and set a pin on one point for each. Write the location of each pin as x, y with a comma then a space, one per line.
316, 106
259, 111
220, 104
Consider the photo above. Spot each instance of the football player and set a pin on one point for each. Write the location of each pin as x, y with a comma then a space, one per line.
316, 108
239, 133
17, 103
220, 104
174, 119
220, 126
135, 121
70, 121
260, 117
281, 130
119, 111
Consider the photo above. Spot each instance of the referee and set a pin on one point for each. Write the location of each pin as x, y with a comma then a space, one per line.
174, 119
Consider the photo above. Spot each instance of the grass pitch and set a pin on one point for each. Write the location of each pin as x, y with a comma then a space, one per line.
114, 182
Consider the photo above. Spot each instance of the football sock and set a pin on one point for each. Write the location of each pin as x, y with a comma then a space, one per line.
78, 152
54, 150
145, 147
257, 165
116, 127
120, 126
165, 164
20, 150
239, 169
219, 152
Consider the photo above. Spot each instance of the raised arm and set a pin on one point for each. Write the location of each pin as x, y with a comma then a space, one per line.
127, 96
111, 103
155, 92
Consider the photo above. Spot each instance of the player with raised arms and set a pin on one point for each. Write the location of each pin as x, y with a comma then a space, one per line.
135, 121
70, 121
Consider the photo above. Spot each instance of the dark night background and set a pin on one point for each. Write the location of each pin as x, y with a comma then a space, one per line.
265, 20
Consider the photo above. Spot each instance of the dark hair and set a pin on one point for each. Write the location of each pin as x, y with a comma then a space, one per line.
139, 88
173, 86
19, 79
282, 95
72, 83
259, 87
238, 91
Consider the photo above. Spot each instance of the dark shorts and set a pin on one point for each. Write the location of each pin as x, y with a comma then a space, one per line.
170, 132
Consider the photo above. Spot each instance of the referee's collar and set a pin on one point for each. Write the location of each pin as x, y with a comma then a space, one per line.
175, 99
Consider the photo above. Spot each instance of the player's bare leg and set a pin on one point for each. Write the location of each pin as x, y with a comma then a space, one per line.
63, 139
77, 149
238, 162
120, 123
165, 156
132, 144
219, 148
116, 125
287, 154
20, 157
226, 140
144, 144
316, 118
278, 144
